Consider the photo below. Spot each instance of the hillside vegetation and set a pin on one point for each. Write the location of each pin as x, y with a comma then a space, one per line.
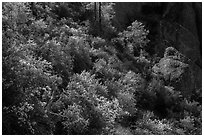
67, 69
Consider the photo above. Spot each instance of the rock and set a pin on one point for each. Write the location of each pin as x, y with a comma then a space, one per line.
169, 23
175, 73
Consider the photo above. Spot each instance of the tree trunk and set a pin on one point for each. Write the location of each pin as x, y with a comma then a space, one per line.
95, 12
100, 17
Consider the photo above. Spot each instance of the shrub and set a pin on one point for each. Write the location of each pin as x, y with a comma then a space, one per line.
80, 50
26, 118
135, 37
104, 29
86, 107
127, 89
98, 42
149, 125
107, 70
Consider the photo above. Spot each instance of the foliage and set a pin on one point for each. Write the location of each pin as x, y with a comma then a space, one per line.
85, 106
135, 37
105, 29
148, 125
60, 74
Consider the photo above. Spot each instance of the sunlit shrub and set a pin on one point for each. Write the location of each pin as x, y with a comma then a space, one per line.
80, 51
127, 89
135, 37
107, 70
149, 125
93, 112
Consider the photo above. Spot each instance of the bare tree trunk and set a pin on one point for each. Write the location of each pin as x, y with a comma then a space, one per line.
95, 12
33, 9
100, 29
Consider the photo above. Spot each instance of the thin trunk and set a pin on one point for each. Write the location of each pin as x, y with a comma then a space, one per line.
33, 9
99, 17
95, 12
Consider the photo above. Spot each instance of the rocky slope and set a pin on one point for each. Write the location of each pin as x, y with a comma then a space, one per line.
171, 24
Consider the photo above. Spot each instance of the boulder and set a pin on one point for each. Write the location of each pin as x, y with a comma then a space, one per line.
174, 70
